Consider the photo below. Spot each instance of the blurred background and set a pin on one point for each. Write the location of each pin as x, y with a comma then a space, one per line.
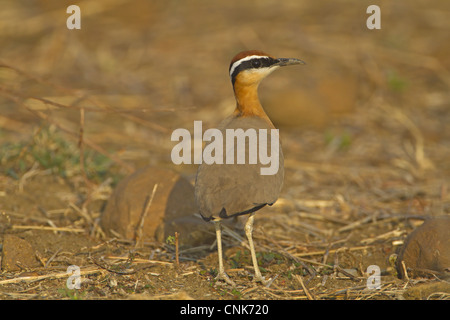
364, 124
140, 69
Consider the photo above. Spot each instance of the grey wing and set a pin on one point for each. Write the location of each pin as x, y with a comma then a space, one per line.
236, 187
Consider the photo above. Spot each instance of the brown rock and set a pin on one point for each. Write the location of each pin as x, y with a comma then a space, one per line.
427, 249
316, 105
425, 291
172, 209
299, 108
17, 252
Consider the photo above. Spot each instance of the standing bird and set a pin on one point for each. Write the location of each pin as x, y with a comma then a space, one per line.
229, 190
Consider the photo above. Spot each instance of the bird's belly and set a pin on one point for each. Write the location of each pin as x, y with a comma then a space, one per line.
236, 187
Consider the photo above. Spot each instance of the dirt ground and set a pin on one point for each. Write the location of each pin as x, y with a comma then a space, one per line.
364, 126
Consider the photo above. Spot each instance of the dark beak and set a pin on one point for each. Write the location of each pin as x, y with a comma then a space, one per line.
288, 62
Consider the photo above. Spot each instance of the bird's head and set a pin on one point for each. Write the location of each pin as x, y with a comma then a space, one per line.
250, 67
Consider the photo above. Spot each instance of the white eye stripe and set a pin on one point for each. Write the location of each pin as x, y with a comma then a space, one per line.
262, 71
237, 63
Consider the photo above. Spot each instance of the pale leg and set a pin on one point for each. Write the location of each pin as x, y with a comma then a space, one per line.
248, 232
222, 275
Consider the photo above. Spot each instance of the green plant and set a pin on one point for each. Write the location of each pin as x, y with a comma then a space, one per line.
72, 294
236, 260
170, 240
236, 293
395, 82
48, 149
339, 141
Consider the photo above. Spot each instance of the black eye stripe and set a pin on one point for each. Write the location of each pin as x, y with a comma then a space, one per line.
252, 64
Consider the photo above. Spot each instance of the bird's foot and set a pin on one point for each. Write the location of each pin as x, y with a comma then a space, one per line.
263, 281
223, 276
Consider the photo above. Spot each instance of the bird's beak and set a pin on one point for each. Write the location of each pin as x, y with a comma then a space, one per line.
288, 62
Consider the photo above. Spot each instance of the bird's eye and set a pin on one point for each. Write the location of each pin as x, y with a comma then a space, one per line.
256, 63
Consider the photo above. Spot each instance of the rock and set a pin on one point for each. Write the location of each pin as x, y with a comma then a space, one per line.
425, 291
172, 209
426, 249
300, 108
316, 105
17, 252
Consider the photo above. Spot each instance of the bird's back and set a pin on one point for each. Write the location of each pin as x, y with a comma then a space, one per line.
224, 190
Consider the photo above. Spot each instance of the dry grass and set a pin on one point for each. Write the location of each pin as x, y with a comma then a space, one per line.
358, 181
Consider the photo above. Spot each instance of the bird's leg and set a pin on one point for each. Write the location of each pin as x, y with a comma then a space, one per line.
248, 232
222, 275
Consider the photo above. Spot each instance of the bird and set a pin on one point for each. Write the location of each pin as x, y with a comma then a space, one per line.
227, 190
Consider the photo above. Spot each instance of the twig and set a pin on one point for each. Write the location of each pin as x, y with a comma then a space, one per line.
405, 271
82, 212
138, 260
51, 258
107, 267
419, 156
30, 173
321, 252
177, 259
439, 296
285, 253
385, 236
308, 294
348, 274
368, 219
286, 292
48, 276
81, 146
140, 228
15, 98
49, 228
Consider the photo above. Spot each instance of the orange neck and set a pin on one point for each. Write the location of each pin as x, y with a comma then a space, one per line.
247, 101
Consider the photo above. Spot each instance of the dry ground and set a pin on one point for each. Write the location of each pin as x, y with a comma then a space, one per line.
364, 127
